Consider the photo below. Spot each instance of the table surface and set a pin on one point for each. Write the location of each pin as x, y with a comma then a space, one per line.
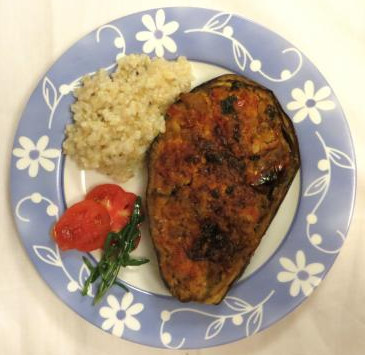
34, 33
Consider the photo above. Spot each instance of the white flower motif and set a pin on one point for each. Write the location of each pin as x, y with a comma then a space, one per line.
121, 314
32, 155
308, 102
301, 276
157, 37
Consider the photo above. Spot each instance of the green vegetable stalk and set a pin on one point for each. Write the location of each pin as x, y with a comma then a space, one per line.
117, 248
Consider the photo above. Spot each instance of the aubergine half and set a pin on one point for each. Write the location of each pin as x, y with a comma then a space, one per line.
216, 178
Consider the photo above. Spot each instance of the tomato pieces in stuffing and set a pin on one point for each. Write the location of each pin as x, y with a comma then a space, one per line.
84, 226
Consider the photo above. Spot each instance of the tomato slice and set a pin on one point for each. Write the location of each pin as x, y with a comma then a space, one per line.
118, 203
84, 226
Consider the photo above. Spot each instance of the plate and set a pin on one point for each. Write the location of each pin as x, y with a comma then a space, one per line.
304, 238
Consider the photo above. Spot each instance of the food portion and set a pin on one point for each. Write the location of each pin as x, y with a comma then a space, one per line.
216, 179
117, 116
118, 203
117, 249
84, 226
223, 160
108, 218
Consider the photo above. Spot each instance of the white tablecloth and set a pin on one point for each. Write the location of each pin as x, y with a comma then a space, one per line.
34, 33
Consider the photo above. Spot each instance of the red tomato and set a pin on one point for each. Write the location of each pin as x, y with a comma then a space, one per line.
118, 203
84, 226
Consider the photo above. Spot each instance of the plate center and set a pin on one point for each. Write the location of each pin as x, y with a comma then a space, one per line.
146, 277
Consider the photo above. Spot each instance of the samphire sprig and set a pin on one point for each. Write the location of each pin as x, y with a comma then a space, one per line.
117, 249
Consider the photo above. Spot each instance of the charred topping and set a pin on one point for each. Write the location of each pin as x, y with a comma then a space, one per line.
235, 163
215, 193
227, 105
214, 157
254, 157
212, 244
229, 190
218, 209
174, 191
218, 132
214, 233
236, 133
192, 159
271, 111
237, 85
203, 144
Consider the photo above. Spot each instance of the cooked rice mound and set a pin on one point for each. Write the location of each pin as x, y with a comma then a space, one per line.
117, 116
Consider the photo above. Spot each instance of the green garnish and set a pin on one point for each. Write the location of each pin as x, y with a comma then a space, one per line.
117, 248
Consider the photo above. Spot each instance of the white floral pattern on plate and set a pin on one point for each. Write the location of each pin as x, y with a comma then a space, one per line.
157, 37
32, 155
49, 255
53, 257
308, 102
303, 277
320, 186
36, 197
241, 308
121, 314
218, 25
52, 97
119, 41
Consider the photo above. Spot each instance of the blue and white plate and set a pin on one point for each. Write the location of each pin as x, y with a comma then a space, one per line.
304, 238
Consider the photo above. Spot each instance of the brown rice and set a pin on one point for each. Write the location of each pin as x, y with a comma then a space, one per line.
117, 116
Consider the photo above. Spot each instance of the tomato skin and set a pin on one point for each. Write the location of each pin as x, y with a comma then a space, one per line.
136, 241
84, 226
118, 203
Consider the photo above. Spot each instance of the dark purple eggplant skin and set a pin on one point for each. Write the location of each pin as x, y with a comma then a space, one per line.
216, 179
